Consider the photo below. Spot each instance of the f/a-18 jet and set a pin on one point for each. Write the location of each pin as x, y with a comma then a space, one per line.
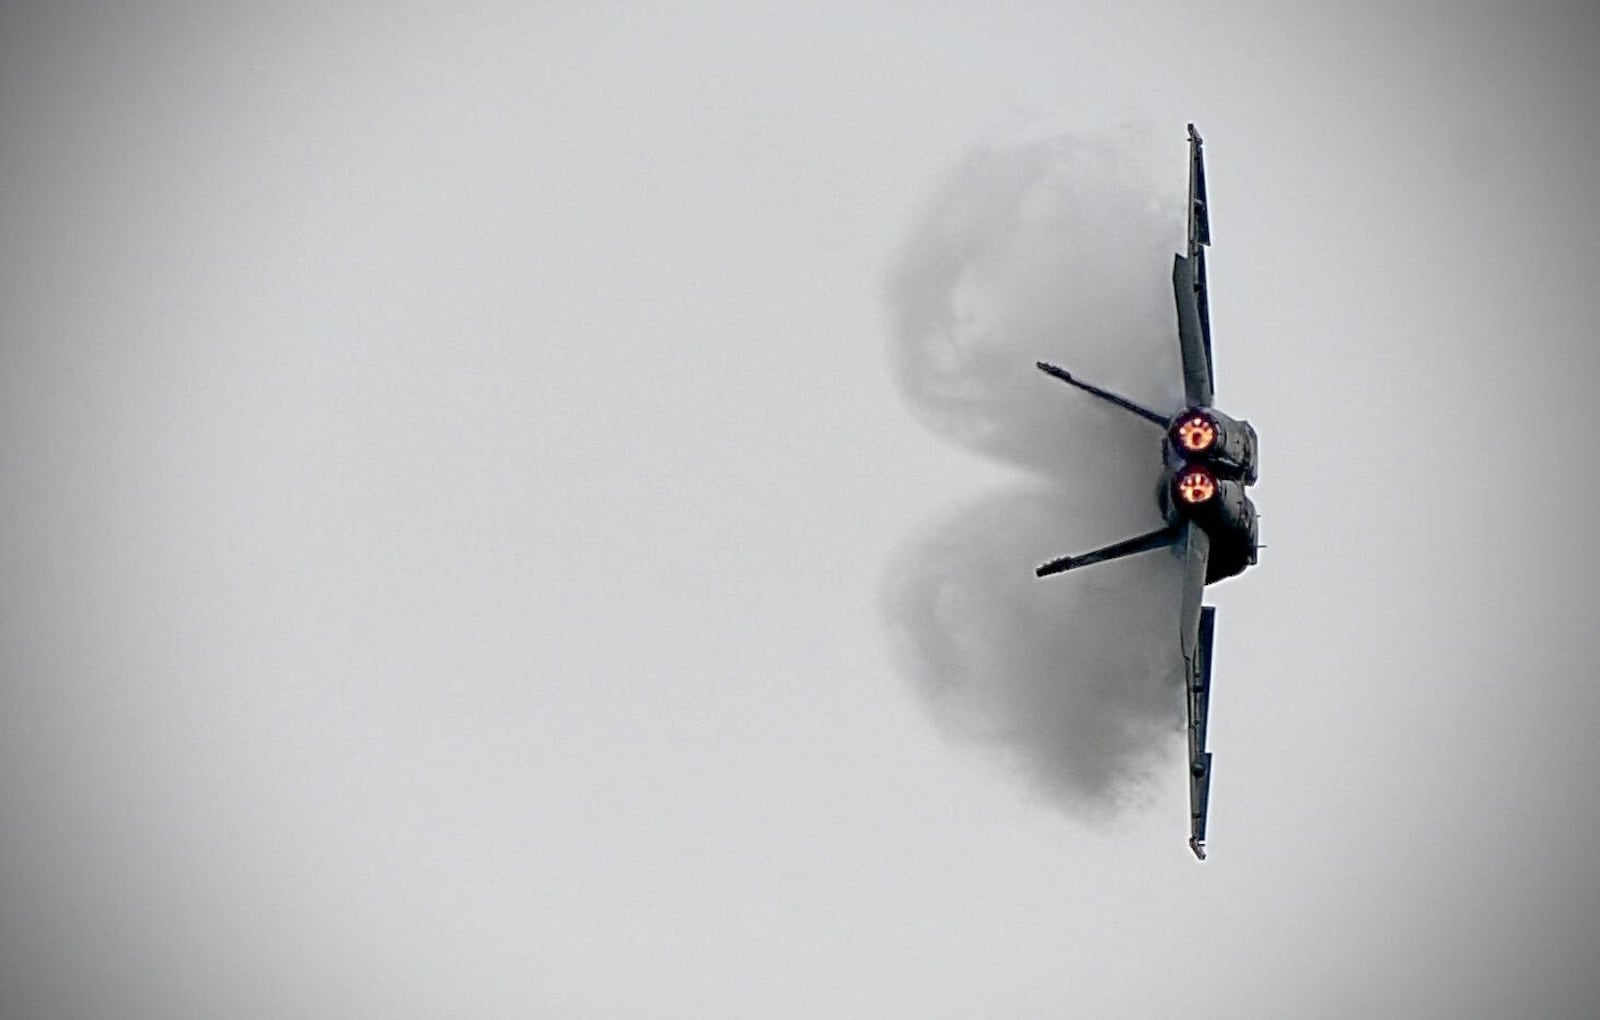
1209, 460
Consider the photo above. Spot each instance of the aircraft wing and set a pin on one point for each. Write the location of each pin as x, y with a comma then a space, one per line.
1199, 758
1189, 287
1196, 624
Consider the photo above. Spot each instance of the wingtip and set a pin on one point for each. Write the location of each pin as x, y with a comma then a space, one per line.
1199, 848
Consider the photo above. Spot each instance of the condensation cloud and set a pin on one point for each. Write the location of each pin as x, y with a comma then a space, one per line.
1056, 249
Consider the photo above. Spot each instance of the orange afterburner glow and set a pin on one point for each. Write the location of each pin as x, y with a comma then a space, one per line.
1197, 433
1196, 486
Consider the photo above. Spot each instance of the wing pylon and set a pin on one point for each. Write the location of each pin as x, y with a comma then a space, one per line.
1196, 622
1199, 698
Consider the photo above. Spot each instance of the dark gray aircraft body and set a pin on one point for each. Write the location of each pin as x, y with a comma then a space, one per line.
1210, 460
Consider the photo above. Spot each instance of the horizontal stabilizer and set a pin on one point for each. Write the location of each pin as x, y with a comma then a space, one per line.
1202, 304
1195, 551
1192, 345
1200, 682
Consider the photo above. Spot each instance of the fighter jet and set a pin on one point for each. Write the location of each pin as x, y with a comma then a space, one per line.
1209, 461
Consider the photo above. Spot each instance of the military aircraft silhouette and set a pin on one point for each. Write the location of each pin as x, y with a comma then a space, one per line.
1209, 460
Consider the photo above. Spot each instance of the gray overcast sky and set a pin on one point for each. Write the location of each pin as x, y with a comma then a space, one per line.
453, 460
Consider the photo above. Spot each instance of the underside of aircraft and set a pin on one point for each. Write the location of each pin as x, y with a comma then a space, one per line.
1209, 462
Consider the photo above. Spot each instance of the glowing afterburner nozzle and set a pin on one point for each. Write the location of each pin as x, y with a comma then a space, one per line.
1196, 486
1196, 433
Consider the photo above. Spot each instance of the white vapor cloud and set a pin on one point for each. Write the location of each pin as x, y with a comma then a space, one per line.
1056, 249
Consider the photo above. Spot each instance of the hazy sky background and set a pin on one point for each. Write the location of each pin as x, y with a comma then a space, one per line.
455, 463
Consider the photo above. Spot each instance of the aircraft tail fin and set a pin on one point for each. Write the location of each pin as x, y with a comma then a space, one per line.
1115, 551
1155, 418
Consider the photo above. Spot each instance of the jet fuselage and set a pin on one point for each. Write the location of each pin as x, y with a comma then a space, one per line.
1210, 458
